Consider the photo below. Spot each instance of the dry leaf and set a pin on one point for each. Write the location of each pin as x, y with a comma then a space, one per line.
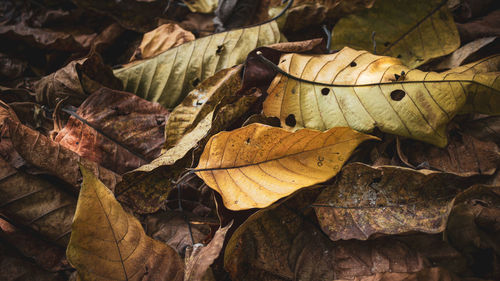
388, 200
200, 102
282, 243
413, 31
254, 166
484, 128
117, 130
464, 155
160, 39
109, 244
481, 27
170, 76
48, 155
201, 6
145, 188
76, 81
459, 56
473, 229
364, 91
202, 257
172, 228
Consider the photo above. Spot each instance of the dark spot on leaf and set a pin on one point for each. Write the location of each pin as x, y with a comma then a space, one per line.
293, 91
77, 142
247, 141
397, 76
283, 61
353, 64
220, 48
386, 44
195, 82
397, 95
325, 91
399, 56
377, 180
290, 120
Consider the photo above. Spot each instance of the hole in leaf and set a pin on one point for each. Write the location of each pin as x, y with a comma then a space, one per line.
220, 48
353, 64
377, 180
397, 95
399, 56
247, 141
290, 120
195, 82
325, 91
386, 44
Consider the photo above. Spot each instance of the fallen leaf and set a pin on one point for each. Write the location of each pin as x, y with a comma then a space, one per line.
36, 203
160, 39
13, 268
170, 76
76, 81
413, 31
172, 228
484, 128
364, 91
117, 130
45, 254
201, 6
427, 274
282, 243
473, 229
482, 27
232, 14
254, 166
365, 201
145, 188
48, 155
200, 102
202, 257
11, 68
109, 244
456, 58
464, 155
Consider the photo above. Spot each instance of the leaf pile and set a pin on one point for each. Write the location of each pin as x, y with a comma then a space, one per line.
250, 140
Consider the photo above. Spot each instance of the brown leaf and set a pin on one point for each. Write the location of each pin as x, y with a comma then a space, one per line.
33, 115
474, 229
49, 156
464, 155
201, 257
11, 68
36, 203
48, 256
388, 199
119, 131
486, 26
108, 243
461, 55
172, 228
160, 39
485, 128
282, 243
427, 274
76, 81
14, 268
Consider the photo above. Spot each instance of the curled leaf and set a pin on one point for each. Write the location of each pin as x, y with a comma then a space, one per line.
254, 166
109, 244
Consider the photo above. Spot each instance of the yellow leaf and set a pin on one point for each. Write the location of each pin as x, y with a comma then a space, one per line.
201, 6
256, 165
414, 31
109, 244
200, 102
363, 91
168, 77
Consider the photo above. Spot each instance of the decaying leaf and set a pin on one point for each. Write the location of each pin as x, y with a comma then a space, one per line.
117, 130
486, 26
459, 56
387, 200
201, 257
76, 81
473, 229
109, 244
144, 188
464, 155
172, 228
364, 91
170, 76
484, 128
36, 203
200, 102
282, 243
412, 31
48, 155
160, 39
254, 166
